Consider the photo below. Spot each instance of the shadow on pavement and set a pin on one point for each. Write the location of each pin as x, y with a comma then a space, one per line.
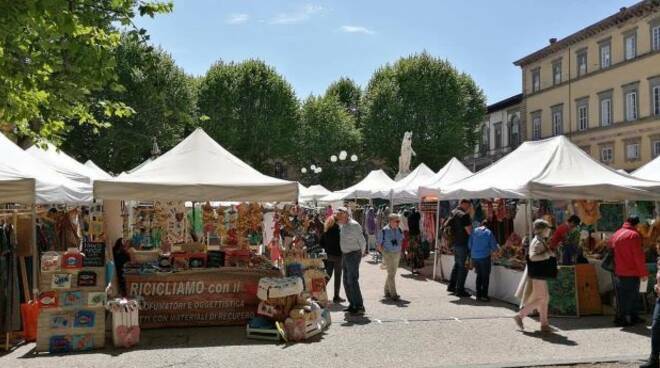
350, 320
552, 338
401, 303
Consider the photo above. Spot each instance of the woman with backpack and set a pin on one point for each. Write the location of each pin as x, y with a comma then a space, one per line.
389, 243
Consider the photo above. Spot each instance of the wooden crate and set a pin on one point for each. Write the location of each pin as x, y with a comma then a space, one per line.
51, 323
45, 281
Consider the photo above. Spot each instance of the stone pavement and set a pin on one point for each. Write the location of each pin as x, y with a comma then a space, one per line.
428, 328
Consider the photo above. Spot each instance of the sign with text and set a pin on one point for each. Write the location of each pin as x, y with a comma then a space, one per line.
94, 254
205, 297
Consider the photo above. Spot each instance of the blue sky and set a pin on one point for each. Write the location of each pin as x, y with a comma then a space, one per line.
313, 43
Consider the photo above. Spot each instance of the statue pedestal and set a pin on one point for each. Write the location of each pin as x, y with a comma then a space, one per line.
401, 175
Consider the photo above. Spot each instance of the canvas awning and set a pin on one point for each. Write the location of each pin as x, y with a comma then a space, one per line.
405, 190
453, 171
313, 193
373, 183
553, 168
197, 169
102, 174
27, 180
64, 164
650, 171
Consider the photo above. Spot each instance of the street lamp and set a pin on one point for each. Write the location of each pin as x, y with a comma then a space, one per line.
333, 158
344, 166
303, 170
342, 155
354, 158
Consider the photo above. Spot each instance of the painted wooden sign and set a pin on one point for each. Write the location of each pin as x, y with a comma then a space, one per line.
205, 297
94, 254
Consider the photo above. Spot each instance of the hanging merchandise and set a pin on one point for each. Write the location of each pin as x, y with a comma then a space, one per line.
588, 211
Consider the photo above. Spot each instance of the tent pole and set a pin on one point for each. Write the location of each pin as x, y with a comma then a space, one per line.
657, 209
391, 202
35, 255
437, 239
530, 218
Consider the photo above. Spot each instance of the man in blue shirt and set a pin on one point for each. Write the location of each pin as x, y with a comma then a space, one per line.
482, 244
389, 243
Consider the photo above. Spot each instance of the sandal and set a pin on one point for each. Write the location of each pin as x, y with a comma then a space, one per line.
519, 322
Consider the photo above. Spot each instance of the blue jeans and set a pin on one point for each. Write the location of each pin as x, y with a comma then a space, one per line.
655, 329
459, 272
351, 266
627, 297
482, 267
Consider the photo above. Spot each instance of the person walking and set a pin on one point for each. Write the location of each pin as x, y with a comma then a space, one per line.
389, 243
533, 288
460, 225
352, 244
654, 359
629, 270
482, 245
333, 264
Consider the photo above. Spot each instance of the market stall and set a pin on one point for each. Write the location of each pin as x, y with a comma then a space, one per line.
211, 280
405, 190
374, 182
313, 194
549, 179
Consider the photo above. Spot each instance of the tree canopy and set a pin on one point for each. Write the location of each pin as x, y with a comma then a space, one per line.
349, 95
54, 56
162, 97
425, 95
252, 111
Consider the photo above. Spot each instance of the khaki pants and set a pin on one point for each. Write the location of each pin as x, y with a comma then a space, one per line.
391, 262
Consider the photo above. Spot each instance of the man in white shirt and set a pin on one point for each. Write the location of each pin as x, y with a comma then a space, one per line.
352, 244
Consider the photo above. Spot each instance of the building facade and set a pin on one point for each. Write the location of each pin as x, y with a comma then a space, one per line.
499, 133
600, 87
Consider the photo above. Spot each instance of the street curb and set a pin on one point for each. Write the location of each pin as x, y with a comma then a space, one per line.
546, 363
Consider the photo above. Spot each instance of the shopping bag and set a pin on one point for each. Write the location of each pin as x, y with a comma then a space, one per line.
30, 315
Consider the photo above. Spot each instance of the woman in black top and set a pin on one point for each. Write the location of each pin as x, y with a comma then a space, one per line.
330, 242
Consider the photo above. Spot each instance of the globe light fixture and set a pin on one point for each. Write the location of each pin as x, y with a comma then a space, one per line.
319, 170
333, 158
354, 158
342, 155
313, 167
303, 170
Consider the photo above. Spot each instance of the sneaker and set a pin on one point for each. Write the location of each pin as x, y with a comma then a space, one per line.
484, 299
338, 300
350, 309
462, 294
546, 329
359, 311
396, 298
451, 290
519, 322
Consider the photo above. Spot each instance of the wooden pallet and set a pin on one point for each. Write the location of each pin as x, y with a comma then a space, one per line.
263, 334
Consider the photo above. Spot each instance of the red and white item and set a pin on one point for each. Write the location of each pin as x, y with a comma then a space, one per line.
72, 259
125, 322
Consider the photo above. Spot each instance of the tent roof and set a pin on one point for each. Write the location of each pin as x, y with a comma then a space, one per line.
553, 168
453, 171
374, 182
98, 170
26, 179
405, 190
64, 164
650, 171
314, 192
197, 169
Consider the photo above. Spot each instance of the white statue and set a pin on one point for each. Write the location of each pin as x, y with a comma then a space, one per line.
406, 155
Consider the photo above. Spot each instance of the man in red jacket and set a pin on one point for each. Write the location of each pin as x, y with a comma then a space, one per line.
629, 268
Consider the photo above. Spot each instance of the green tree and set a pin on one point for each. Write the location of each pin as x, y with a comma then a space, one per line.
163, 99
55, 54
252, 111
425, 95
325, 129
349, 94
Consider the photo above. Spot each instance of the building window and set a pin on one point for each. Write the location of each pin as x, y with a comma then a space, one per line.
605, 99
557, 120
536, 126
498, 135
655, 36
556, 72
605, 54
583, 115
485, 139
514, 132
630, 107
630, 45
536, 80
632, 151
582, 63
655, 147
607, 154
654, 84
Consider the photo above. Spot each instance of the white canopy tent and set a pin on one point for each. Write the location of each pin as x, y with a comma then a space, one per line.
197, 169
405, 190
373, 183
650, 171
65, 165
27, 180
313, 193
102, 174
453, 171
553, 168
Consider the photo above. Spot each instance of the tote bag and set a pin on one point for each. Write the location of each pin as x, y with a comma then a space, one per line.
546, 269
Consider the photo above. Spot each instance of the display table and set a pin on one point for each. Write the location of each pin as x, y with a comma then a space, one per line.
204, 297
503, 281
604, 277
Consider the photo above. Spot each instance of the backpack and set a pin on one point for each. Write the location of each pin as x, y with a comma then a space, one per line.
447, 229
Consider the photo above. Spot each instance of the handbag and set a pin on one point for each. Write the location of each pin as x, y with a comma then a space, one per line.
545, 269
608, 261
